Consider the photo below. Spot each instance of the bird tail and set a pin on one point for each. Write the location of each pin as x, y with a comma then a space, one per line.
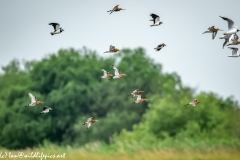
186, 104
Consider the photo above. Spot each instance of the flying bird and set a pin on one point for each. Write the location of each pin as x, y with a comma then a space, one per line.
46, 109
115, 9
160, 46
235, 40
106, 74
156, 20
234, 52
193, 103
212, 30
227, 38
57, 30
136, 92
89, 122
140, 99
112, 49
34, 100
117, 73
231, 28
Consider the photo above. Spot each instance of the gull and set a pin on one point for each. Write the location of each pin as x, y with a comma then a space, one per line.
234, 52
34, 100
231, 28
117, 73
89, 122
227, 38
139, 99
160, 46
212, 30
156, 20
46, 109
193, 103
115, 9
235, 40
112, 49
57, 30
136, 92
106, 74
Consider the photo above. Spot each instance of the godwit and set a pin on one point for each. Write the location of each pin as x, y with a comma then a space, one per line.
115, 9
46, 109
117, 73
34, 100
156, 20
106, 74
57, 30
231, 28
89, 122
136, 92
139, 99
112, 49
212, 30
193, 103
160, 46
234, 52
234, 40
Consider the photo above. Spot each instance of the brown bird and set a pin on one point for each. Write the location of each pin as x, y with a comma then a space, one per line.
34, 100
89, 122
112, 49
193, 103
140, 100
136, 92
115, 9
212, 30
117, 73
106, 75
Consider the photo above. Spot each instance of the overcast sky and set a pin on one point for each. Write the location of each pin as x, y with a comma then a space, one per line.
200, 61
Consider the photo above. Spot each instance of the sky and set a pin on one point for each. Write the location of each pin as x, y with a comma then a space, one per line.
201, 62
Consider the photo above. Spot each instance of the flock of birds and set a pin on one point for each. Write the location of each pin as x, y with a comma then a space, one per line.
229, 36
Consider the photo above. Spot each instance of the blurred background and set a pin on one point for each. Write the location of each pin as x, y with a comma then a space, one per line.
63, 71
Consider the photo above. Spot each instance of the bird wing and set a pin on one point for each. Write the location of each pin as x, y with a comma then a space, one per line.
235, 38
230, 22
104, 72
138, 97
89, 125
155, 18
116, 71
214, 35
55, 26
114, 8
111, 49
234, 50
32, 97
89, 119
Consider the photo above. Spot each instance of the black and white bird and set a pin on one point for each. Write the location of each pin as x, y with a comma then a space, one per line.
46, 109
156, 20
57, 29
234, 52
160, 46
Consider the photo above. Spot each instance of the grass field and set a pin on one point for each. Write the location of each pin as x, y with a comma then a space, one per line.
163, 154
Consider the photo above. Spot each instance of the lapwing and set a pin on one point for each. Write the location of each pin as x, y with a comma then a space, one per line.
57, 30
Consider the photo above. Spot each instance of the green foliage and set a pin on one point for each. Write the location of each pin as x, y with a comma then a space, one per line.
69, 83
